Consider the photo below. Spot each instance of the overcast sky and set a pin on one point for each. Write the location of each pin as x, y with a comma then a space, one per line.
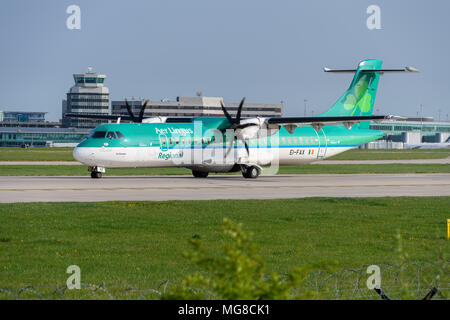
267, 51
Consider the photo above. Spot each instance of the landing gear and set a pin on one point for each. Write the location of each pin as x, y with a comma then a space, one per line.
96, 172
96, 175
199, 174
251, 172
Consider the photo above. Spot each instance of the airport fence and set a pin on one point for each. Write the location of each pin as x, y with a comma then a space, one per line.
412, 280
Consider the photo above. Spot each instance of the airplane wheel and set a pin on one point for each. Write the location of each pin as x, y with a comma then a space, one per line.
251, 172
96, 175
199, 174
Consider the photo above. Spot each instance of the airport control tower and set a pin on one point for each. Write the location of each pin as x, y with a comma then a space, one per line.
88, 95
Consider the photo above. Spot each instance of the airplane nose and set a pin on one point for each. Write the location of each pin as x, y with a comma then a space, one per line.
83, 155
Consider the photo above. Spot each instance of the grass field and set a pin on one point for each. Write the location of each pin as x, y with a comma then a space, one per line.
410, 154
62, 170
36, 154
65, 154
141, 243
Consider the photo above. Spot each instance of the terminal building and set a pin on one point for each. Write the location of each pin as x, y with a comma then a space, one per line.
19, 129
196, 107
88, 95
41, 137
22, 116
410, 132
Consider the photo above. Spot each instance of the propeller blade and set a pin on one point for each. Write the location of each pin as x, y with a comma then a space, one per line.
238, 114
225, 112
230, 147
141, 114
246, 147
129, 111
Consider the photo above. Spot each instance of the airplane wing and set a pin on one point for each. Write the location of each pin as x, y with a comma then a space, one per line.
290, 123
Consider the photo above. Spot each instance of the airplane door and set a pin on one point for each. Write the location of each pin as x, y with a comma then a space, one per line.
163, 142
322, 144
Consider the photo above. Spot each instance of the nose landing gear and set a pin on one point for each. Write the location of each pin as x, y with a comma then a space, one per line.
96, 172
96, 175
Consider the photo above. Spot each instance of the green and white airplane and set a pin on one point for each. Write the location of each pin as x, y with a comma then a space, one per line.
227, 144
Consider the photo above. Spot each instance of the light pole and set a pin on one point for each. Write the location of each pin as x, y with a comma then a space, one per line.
421, 118
304, 113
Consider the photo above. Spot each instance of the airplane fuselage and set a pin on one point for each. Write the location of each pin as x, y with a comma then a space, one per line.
133, 145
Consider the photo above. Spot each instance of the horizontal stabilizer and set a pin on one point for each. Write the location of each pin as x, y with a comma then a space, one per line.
381, 71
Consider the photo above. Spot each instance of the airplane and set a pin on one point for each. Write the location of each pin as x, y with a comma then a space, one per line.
232, 144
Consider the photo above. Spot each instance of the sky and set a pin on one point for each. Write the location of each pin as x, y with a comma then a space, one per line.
267, 51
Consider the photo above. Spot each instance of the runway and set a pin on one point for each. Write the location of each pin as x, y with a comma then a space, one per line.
321, 162
155, 188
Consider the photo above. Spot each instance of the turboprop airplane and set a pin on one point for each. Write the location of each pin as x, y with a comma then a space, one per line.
228, 144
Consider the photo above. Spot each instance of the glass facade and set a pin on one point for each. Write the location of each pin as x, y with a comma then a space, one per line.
424, 128
17, 137
23, 116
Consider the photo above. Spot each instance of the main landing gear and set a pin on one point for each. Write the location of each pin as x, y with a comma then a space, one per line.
251, 172
199, 174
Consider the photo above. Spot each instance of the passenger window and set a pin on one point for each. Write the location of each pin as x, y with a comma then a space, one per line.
284, 140
111, 135
295, 140
289, 140
119, 135
99, 134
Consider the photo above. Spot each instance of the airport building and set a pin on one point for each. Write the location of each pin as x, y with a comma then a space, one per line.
21, 116
41, 137
88, 95
196, 107
409, 132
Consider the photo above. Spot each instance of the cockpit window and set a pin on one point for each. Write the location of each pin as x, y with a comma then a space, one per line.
99, 134
111, 135
119, 135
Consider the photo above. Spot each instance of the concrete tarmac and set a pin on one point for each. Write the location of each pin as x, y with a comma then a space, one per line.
154, 188
324, 162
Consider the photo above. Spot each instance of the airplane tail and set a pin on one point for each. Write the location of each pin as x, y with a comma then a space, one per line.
359, 98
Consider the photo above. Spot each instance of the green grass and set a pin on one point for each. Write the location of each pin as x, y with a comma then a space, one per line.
36, 154
65, 154
63, 170
409, 154
141, 243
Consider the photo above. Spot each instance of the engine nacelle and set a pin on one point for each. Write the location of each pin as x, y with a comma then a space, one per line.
260, 129
154, 120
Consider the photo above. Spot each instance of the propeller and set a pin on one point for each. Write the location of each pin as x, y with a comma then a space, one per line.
235, 124
141, 113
